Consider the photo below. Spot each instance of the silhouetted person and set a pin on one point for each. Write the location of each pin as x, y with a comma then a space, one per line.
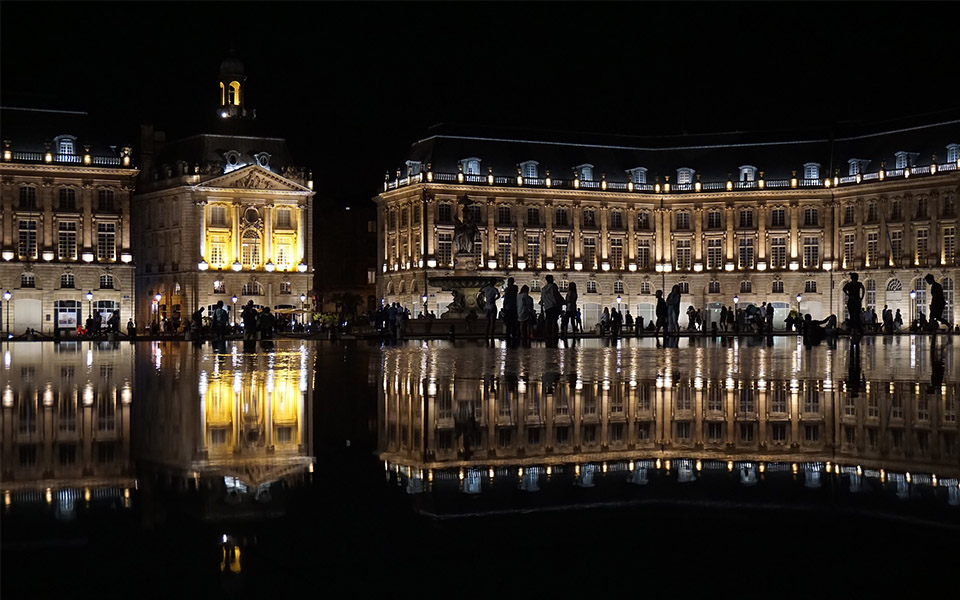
490, 294
855, 293
511, 317
662, 313
937, 303
249, 317
673, 309
854, 372
267, 324
569, 309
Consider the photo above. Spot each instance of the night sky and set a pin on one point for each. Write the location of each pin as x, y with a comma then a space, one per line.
351, 86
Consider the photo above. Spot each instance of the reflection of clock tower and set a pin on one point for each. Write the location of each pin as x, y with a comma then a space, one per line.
222, 216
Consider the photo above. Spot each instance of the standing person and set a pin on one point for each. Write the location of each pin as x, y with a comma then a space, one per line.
673, 309
569, 309
628, 322
551, 301
267, 324
605, 321
249, 317
937, 303
510, 308
887, 320
723, 318
197, 319
855, 293
114, 322
769, 317
638, 326
220, 320
525, 314
898, 321
691, 318
579, 322
490, 295
131, 330
661, 313
616, 321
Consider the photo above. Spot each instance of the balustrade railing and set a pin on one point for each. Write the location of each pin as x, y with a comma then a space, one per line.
70, 159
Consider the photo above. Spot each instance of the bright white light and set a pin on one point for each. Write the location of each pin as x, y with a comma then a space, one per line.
224, 115
202, 265
302, 267
236, 266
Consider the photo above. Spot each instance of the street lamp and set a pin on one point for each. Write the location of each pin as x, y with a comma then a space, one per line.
423, 299
233, 313
829, 268
303, 298
799, 299
913, 308
6, 298
89, 296
156, 307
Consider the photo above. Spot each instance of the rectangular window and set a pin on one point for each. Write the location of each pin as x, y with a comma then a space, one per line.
849, 212
404, 217
643, 431
284, 221
713, 287
896, 246
67, 240
561, 218
683, 220
949, 245
873, 249
218, 251
503, 215
896, 210
106, 200
811, 252
778, 252
715, 432
616, 254
589, 253
533, 251
921, 204
106, 241
746, 218
218, 216
643, 221
683, 430
811, 217
643, 254
872, 212
746, 253
445, 249
778, 217
68, 199
28, 198
849, 242
533, 217
923, 248
779, 432
810, 287
616, 219
504, 253
683, 255
560, 251
589, 218
27, 242
714, 219
444, 213
776, 287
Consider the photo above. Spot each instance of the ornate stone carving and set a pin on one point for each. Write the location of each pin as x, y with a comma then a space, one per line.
255, 180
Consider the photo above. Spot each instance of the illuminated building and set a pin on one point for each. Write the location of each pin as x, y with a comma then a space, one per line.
65, 222
744, 215
221, 214
66, 425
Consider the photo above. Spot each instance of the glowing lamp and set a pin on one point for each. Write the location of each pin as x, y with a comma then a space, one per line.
431, 263
126, 257
6, 295
269, 267
799, 298
548, 182
48, 157
906, 172
577, 265
460, 177
236, 266
202, 265
492, 263
667, 267
224, 114
762, 265
859, 178
490, 179
659, 267
697, 186
913, 294
157, 297
605, 265
550, 265
7, 255
826, 182
736, 300
632, 267
729, 185
87, 256
302, 267
697, 267
7, 155
794, 265
827, 266
576, 183
87, 159
89, 296
47, 255
521, 264
619, 299
603, 184
729, 266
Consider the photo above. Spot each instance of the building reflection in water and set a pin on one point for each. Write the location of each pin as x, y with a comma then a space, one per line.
87, 422
480, 419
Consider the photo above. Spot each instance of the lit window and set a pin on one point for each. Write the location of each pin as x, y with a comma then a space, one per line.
219, 287
747, 173
67, 240
530, 169
746, 253
714, 253
778, 252
250, 249
616, 254
638, 175
901, 159
811, 170
252, 288
683, 255
643, 254
953, 152
285, 287
106, 241
586, 172
471, 166
811, 252
27, 241
684, 175
106, 282
589, 253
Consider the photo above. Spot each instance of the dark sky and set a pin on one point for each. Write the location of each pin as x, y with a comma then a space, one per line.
351, 86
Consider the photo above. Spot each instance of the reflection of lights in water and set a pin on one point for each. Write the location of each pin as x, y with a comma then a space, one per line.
126, 394
48, 395
6, 359
88, 394
202, 386
7, 397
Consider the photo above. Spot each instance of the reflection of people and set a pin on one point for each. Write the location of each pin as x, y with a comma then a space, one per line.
855, 293
854, 371
936, 372
937, 303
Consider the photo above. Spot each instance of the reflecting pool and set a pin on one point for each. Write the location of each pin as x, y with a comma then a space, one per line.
170, 468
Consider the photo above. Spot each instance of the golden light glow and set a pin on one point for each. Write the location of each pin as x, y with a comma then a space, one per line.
233, 93
729, 465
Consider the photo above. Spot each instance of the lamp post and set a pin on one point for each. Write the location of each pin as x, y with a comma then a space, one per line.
303, 298
89, 297
233, 313
799, 300
6, 309
156, 307
829, 267
423, 299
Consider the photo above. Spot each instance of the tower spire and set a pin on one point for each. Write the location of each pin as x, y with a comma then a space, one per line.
233, 90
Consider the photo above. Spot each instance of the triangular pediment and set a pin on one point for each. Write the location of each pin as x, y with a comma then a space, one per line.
253, 177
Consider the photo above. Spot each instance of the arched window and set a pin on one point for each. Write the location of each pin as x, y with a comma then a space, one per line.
27, 280
617, 287
811, 170
250, 249
67, 281
219, 287
644, 287
747, 173
894, 285
403, 287
746, 287
252, 288
223, 94
106, 282
714, 287
233, 93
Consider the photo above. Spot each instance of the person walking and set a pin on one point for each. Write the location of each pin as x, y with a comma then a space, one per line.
267, 324
551, 301
769, 317
616, 322
937, 303
221, 319
898, 321
661, 313
249, 317
525, 314
569, 310
510, 310
490, 294
855, 293
673, 309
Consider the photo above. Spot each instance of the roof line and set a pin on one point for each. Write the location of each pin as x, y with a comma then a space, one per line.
45, 110
695, 147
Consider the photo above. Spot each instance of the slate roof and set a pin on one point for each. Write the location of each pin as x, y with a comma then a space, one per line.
714, 156
28, 129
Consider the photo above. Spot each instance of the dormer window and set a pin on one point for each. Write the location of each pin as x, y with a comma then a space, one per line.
905, 159
263, 159
811, 170
953, 152
471, 166
684, 175
65, 145
857, 165
232, 159
748, 173
585, 171
413, 168
638, 174
530, 169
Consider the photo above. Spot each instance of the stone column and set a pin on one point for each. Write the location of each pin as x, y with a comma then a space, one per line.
883, 250
430, 230
236, 232
202, 220
547, 250
46, 205
667, 246
303, 231
762, 233
631, 249
933, 238
604, 249
268, 253
125, 219
697, 235
522, 232
86, 203
794, 233
573, 244
729, 243
829, 230
491, 230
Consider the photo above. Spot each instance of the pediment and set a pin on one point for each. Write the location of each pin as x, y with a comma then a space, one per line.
253, 177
